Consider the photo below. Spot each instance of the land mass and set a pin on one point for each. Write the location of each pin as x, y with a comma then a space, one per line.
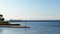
34, 21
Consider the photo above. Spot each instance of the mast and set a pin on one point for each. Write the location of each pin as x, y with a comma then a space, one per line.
7, 24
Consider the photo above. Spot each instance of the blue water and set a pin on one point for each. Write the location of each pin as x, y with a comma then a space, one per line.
36, 28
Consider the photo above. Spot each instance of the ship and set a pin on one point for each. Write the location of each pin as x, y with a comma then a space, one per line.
9, 25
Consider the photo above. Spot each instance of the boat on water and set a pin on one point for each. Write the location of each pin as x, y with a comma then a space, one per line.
7, 24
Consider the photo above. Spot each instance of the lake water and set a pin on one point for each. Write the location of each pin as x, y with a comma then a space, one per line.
36, 28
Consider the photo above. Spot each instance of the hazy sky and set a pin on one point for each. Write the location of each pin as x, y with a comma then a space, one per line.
30, 9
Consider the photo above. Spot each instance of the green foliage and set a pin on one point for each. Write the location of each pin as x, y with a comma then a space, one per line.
4, 23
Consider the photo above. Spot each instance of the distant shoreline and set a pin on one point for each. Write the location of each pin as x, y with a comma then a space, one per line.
34, 21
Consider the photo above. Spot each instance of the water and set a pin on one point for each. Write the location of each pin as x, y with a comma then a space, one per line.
36, 28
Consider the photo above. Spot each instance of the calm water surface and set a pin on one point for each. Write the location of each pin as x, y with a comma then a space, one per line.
36, 28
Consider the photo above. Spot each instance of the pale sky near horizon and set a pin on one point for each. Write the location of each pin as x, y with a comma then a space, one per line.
30, 9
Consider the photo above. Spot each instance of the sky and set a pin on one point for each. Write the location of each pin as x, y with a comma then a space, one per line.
30, 9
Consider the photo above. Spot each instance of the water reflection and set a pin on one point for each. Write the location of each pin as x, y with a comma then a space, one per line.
12, 31
36, 28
